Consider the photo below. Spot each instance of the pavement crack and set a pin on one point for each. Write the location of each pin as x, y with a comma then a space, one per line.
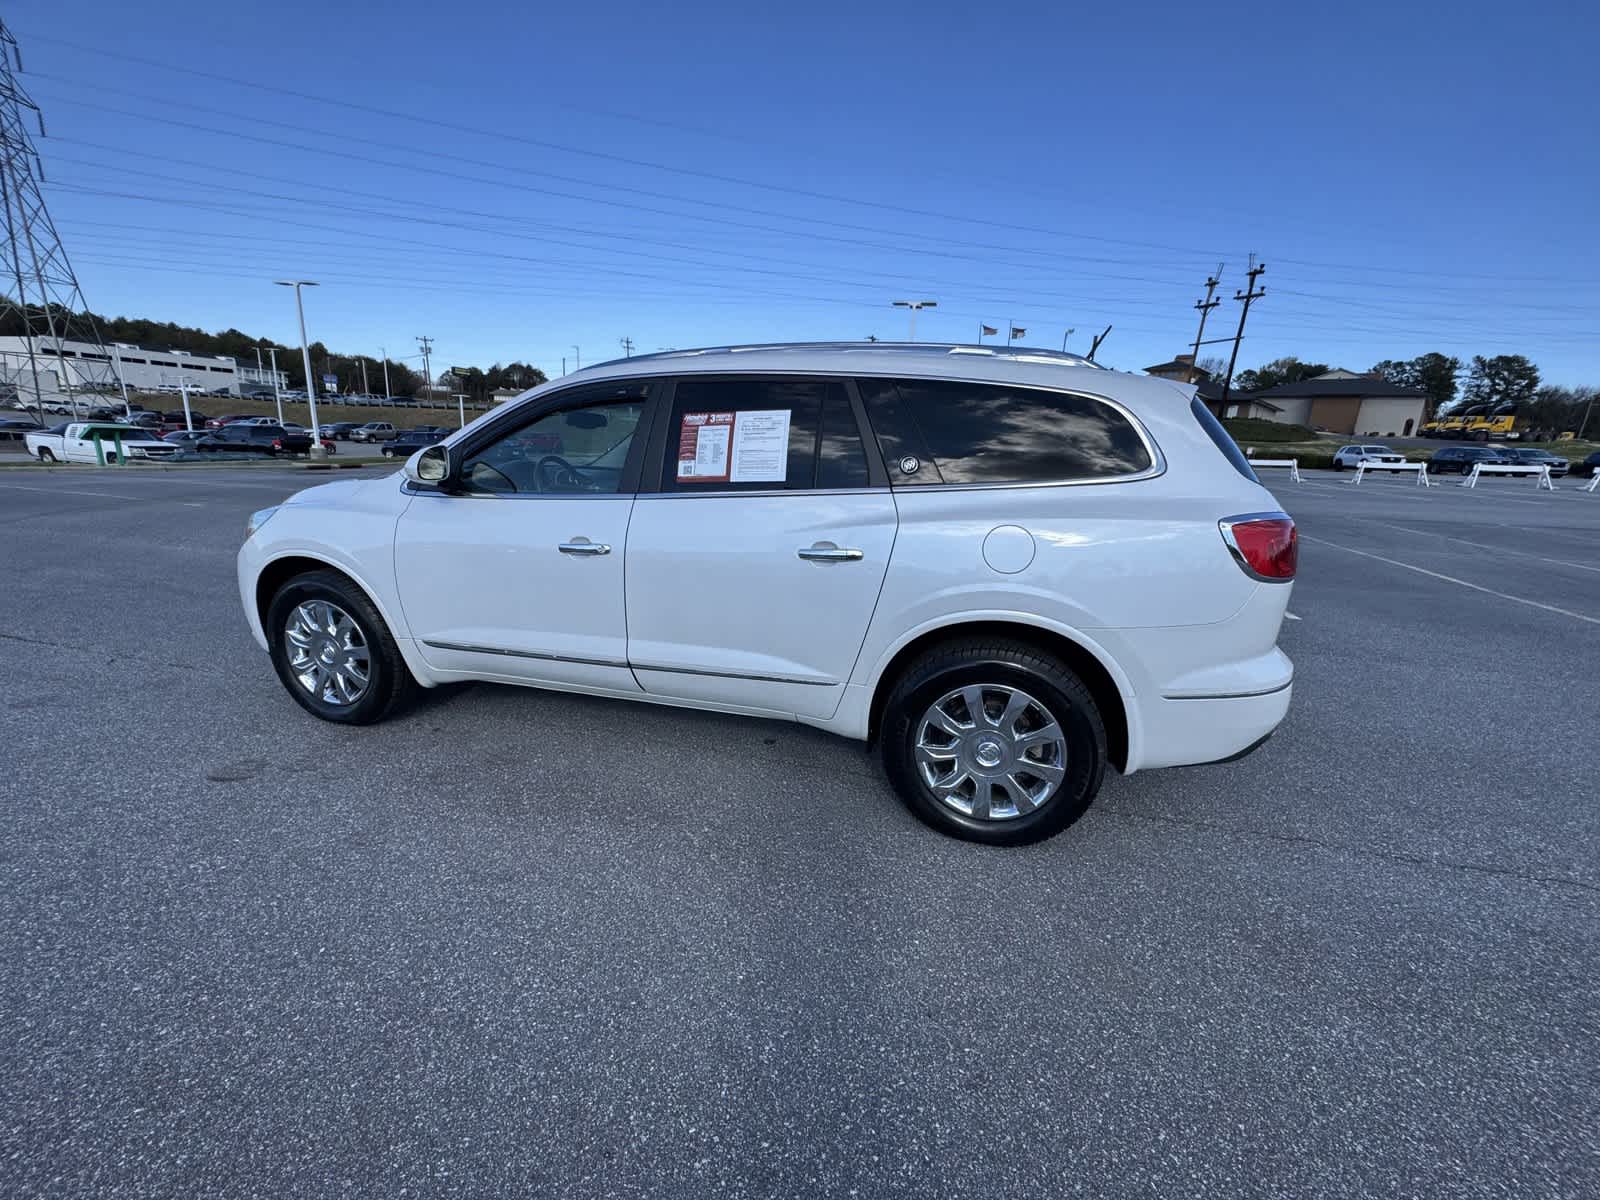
1417, 860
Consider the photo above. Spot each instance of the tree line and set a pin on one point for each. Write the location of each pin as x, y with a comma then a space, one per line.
477, 383
1502, 379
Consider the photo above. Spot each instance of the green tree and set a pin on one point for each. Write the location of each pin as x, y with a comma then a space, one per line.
1432, 373
1288, 369
1503, 379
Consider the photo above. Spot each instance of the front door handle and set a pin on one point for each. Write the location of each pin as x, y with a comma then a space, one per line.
828, 553
584, 548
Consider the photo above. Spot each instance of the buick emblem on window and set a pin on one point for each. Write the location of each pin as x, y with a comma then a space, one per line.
909, 465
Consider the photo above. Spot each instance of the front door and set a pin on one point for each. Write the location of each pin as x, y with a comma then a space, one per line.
755, 561
520, 575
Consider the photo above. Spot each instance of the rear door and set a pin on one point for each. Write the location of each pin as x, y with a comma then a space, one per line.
758, 546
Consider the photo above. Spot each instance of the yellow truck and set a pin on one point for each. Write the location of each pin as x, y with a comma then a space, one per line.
1501, 423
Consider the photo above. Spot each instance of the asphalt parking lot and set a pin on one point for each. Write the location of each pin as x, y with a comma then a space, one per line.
523, 944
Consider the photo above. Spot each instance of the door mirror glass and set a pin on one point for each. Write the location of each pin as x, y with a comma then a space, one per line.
430, 465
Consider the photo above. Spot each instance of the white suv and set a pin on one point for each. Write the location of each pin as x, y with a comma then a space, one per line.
1009, 568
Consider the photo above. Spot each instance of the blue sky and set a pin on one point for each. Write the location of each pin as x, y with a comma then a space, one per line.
516, 180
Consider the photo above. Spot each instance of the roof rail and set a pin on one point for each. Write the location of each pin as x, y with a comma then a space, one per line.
1031, 354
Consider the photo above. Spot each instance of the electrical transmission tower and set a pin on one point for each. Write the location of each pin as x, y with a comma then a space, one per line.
40, 300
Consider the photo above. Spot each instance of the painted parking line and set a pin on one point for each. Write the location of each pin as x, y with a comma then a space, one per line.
1477, 587
1291, 616
56, 491
1486, 546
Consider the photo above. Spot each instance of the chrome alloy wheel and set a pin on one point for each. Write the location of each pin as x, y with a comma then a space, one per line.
328, 654
990, 752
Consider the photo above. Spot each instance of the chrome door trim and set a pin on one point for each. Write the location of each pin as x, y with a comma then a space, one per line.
534, 654
734, 675
1266, 691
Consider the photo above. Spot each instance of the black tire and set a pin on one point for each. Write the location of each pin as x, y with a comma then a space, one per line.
996, 663
1466, 468
45, 455
1337, 465
390, 685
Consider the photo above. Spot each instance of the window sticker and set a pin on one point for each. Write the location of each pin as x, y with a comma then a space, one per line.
734, 447
761, 446
703, 444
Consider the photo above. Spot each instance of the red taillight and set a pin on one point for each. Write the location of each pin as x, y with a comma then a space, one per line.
277, 443
1265, 545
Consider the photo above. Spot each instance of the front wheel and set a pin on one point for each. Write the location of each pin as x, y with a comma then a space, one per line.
1338, 465
993, 741
333, 652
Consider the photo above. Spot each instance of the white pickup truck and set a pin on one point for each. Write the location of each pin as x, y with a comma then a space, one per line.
75, 442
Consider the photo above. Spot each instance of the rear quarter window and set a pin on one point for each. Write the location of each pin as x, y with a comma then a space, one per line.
1223, 439
938, 431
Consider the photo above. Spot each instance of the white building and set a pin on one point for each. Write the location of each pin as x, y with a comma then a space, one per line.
85, 366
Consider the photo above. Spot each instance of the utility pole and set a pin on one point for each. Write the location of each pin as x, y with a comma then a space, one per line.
317, 450
1205, 306
563, 366
365, 391
427, 370
577, 362
1098, 338
627, 347
277, 392
1247, 297
384, 350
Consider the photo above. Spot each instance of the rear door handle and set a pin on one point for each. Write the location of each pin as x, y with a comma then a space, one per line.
584, 548
829, 553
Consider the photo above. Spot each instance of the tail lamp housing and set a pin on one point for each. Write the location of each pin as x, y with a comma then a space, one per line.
1265, 545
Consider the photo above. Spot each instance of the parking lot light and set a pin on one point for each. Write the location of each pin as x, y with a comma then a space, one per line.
316, 450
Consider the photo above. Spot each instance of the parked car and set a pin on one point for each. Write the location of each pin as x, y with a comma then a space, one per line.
1589, 467
1462, 458
185, 439
1528, 456
219, 422
75, 442
1009, 569
175, 417
410, 442
246, 437
374, 431
13, 428
340, 430
1351, 456
441, 430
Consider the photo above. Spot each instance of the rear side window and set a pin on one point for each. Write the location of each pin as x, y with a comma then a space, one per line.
935, 431
762, 435
1223, 439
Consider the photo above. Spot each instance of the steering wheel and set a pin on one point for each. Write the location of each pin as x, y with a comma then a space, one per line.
556, 474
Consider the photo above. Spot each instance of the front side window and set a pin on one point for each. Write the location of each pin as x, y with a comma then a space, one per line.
934, 431
576, 451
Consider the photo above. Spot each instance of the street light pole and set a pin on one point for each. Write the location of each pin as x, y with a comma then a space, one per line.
577, 363
915, 306
305, 350
384, 350
277, 394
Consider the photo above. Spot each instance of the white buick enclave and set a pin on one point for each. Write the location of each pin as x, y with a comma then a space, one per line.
1008, 567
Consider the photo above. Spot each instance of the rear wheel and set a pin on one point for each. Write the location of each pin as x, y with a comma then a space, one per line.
333, 652
45, 455
993, 741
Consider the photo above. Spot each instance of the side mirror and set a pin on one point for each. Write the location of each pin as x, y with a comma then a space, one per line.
431, 467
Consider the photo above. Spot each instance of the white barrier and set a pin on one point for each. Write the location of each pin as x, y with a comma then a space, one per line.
1292, 463
1540, 469
1592, 482
1366, 465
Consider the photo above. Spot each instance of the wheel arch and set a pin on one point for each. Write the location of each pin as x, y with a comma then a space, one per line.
278, 571
1111, 697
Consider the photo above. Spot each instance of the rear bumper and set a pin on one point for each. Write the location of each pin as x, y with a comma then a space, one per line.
1194, 730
